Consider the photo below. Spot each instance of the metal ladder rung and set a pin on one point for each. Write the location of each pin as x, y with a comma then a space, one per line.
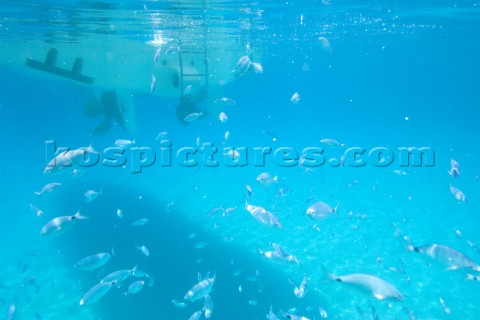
195, 75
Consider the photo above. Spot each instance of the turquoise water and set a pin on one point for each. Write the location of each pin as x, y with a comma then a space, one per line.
392, 75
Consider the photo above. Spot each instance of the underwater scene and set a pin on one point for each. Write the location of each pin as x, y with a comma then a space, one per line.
189, 159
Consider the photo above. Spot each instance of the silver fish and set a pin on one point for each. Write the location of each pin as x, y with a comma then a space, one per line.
320, 210
66, 161
332, 142
200, 290
264, 216
60, 225
458, 194
454, 169
225, 101
192, 116
119, 275
96, 292
301, 289
208, 307
141, 222
379, 288
91, 195
144, 250
50, 187
123, 143
94, 261
134, 287
266, 179
196, 315
279, 255
447, 256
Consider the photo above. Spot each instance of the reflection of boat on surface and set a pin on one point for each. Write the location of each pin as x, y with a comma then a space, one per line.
204, 58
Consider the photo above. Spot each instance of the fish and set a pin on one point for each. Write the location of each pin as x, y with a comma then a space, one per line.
379, 288
49, 187
153, 84
228, 211
271, 315
119, 275
94, 261
200, 245
207, 307
192, 116
11, 312
225, 102
263, 216
223, 117
454, 169
325, 44
161, 136
91, 195
141, 222
172, 50
96, 292
300, 290
280, 255
134, 287
458, 194
196, 315
60, 225
149, 279
444, 305
246, 65
67, 160
144, 250
450, 257
119, 213
295, 98
332, 142
123, 143
37, 210
320, 210
266, 179
200, 290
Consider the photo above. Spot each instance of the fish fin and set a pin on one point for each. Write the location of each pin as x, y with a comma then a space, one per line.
79, 216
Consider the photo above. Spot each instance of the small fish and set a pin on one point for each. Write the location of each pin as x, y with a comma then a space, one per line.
50, 187
119, 276
94, 261
300, 290
119, 213
179, 304
322, 312
256, 67
243, 66
320, 210
208, 307
161, 135
232, 154
325, 44
192, 116
11, 312
295, 98
228, 211
96, 292
249, 190
223, 117
271, 315
200, 245
134, 287
263, 216
157, 54
266, 179
91, 195
144, 250
332, 142
200, 290
196, 315
37, 210
153, 84
280, 255
188, 90
379, 288
141, 222
444, 305
149, 279
454, 169
446, 255
225, 102
123, 143
226, 136
458, 194
60, 225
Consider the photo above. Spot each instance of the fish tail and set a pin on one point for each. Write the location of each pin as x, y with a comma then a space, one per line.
335, 210
328, 275
412, 248
470, 277
79, 216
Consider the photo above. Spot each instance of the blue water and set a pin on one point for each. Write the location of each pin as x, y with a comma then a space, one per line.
396, 74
